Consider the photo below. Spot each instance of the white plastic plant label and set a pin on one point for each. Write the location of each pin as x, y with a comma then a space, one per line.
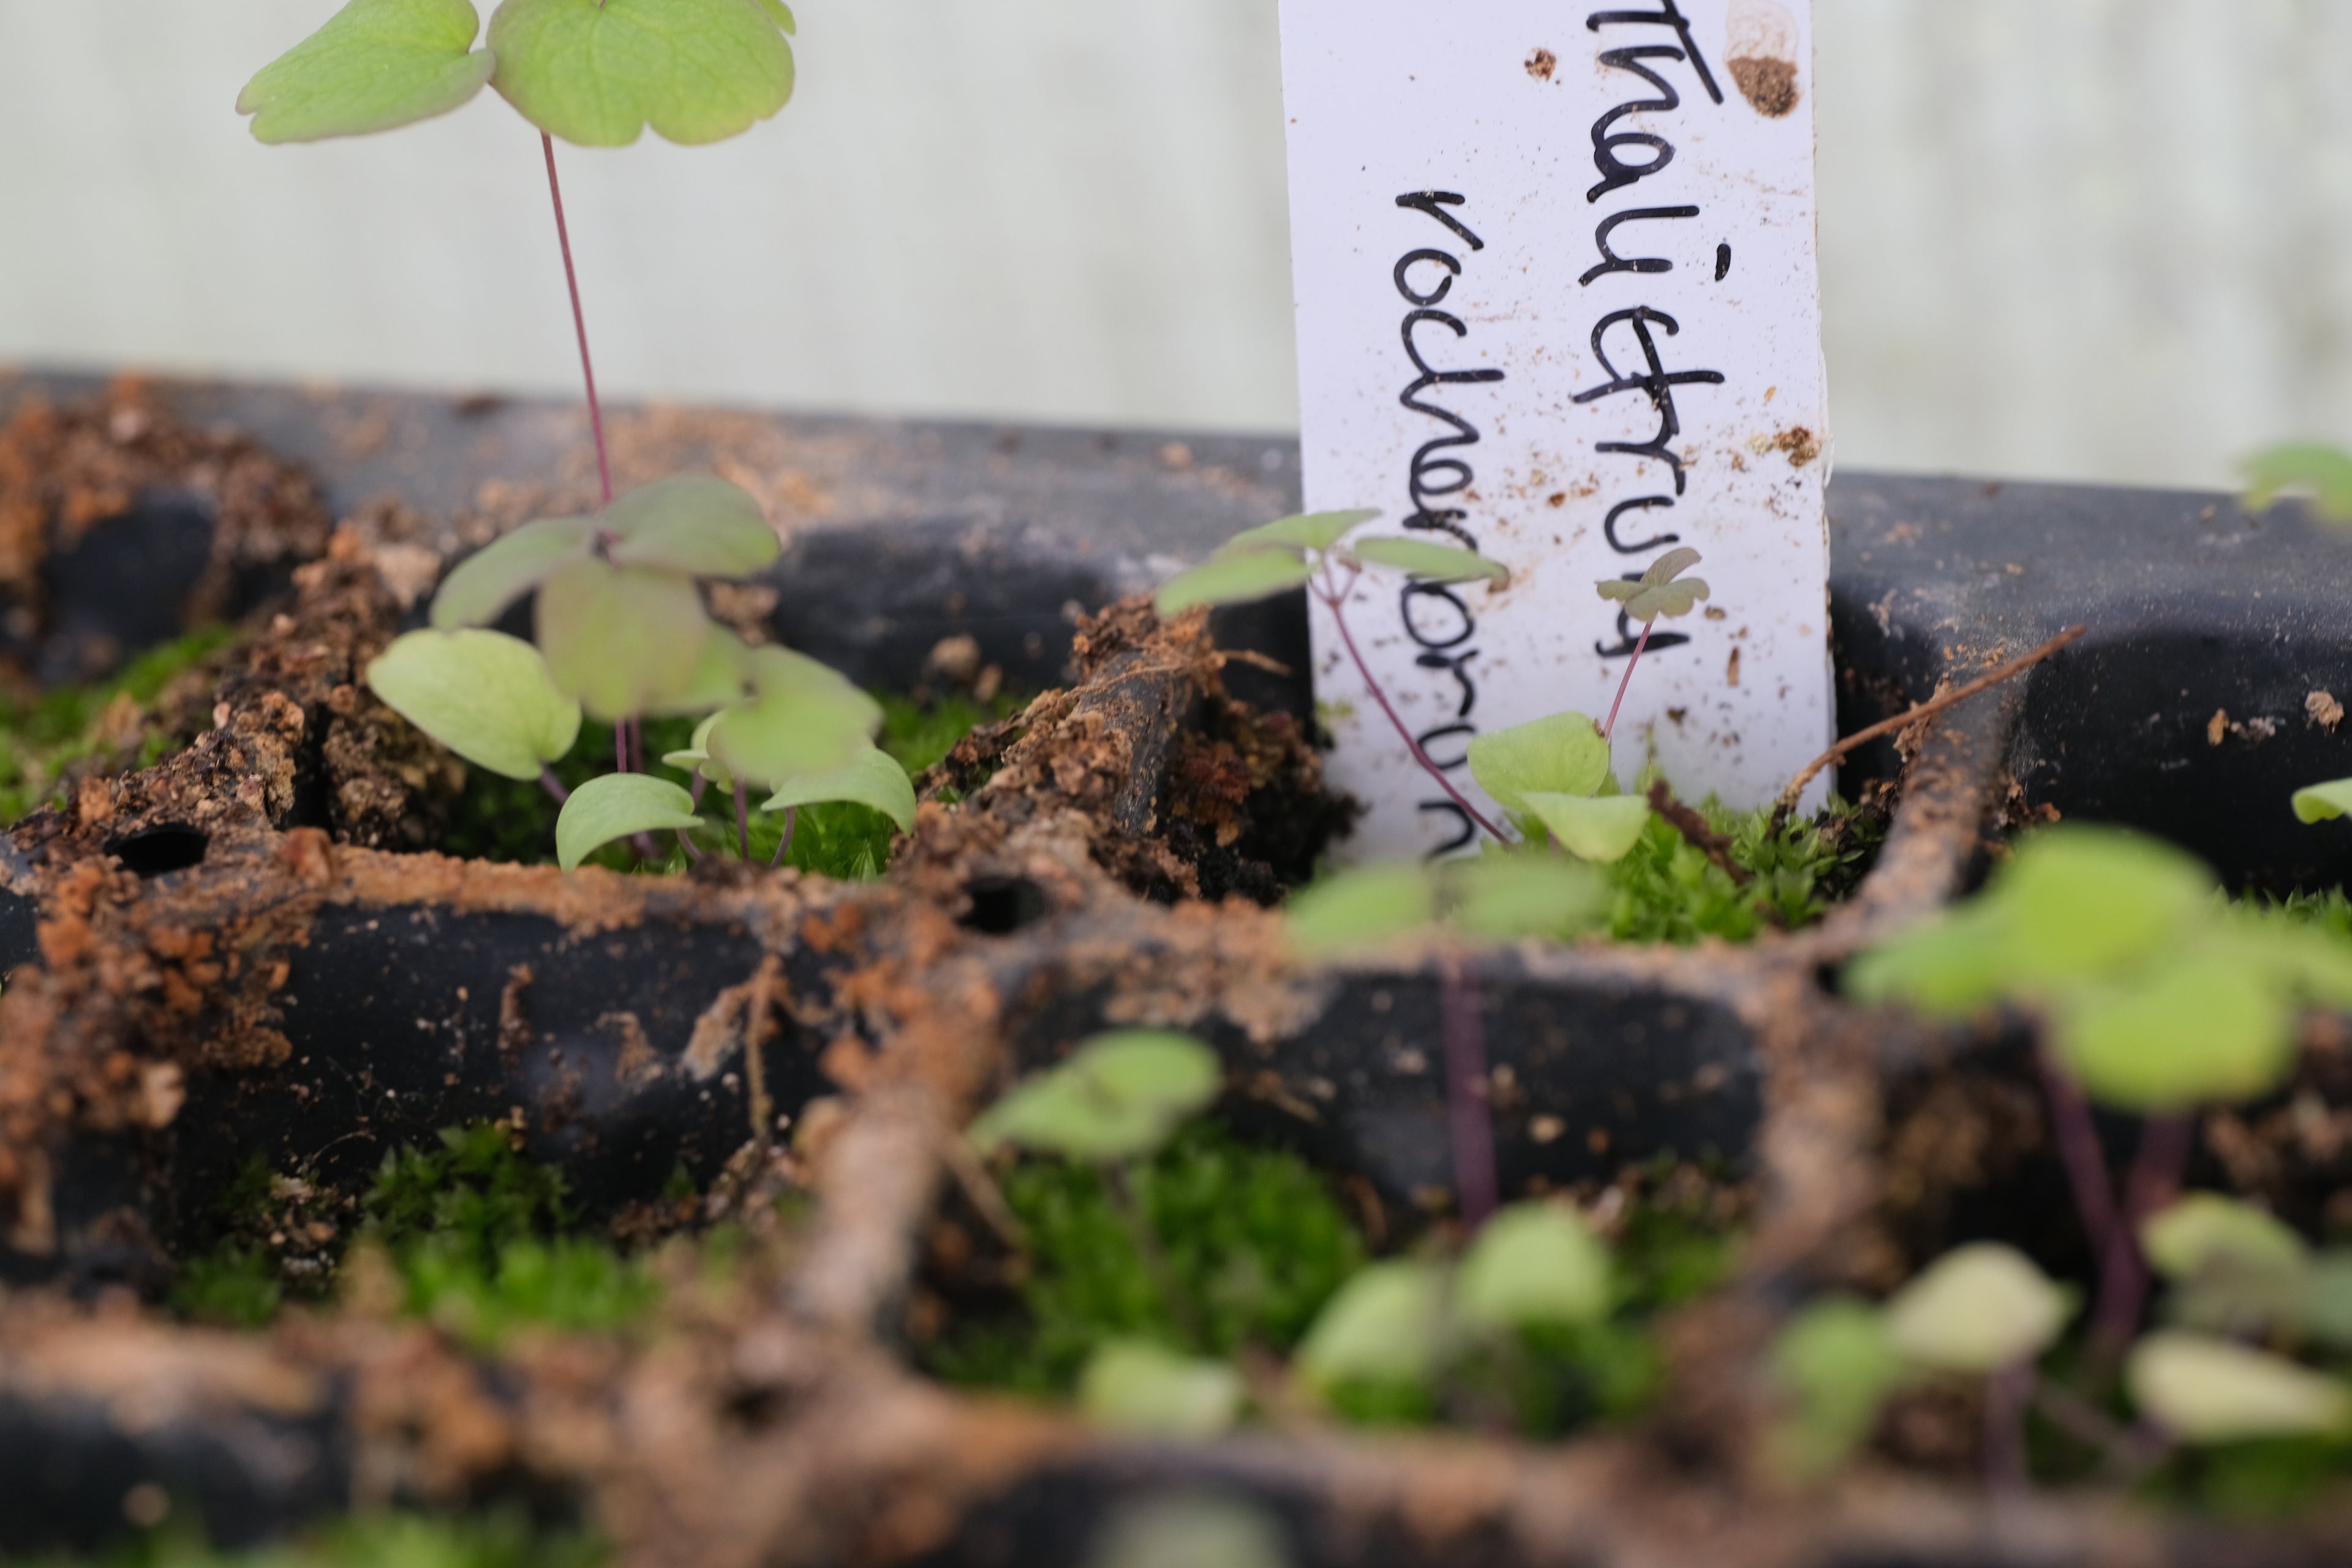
1559, 302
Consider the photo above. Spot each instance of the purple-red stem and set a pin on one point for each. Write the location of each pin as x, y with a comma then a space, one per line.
743, 819
1462, 1024
1611, 728
1334, 598
791, 820
2164, 1144
579, 322
2007, 1394
2077, 1138
553, 785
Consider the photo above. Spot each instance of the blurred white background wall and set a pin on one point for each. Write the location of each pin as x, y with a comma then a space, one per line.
2084, 238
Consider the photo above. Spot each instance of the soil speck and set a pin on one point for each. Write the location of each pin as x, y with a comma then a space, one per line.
2325, 710
1541, 64
2217, 729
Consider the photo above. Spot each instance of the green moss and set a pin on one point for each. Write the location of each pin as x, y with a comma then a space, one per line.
474, 1231
1254, 1238
509, 820
502, 1539
40, 740
234, 1286
1667, 890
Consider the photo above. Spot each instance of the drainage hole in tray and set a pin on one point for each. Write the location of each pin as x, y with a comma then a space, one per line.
1002, 905
154, 851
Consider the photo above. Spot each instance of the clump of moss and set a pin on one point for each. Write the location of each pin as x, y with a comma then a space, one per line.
42, 739
1253, 1239
475, 1232
509, 820
500, 1540
1668, 889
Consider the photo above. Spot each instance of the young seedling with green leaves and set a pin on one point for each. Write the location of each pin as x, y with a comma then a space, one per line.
621, 634
2157, 999
1548, 776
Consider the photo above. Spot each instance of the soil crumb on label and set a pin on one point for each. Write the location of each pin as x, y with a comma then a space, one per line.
1541, 64
2325, 710
1762, 56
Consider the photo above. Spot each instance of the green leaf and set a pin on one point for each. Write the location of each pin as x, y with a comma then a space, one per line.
1602, 828
2321, 471
697, 757
1657, 592
694, 523
872, 778
1118, 1097
485, 696
1134, 1386
503, 571
2234, 1266
1233, 579
1838, 1363
597, 72
2324, 802
1385, 1327
1504, 895
624, 642
2204, 1390
722, 678
1951, 964
376, 64
781, 13
1428, 562
1533, 1263
614, 805
2327, 1304
2200, 1029
1312, 531
1361, 908
1978, 1308
806, 719
2082, 901
1560, 754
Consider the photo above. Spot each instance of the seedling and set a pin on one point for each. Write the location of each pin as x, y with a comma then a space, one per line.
621, 632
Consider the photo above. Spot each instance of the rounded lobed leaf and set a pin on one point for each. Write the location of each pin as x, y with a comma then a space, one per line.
697, 757
1385, 1327
1503, 895
1600, 828
1117, 1096
1430, 563
624, 642
1534, 1263
485, 696
1231, 578
1978, 1308
2200, 1029
1837, 1364
1171, 1075
597, 72
1951, 964
2311, 468
1562, 754
2324, 802
873, 777
1134, 1386
694, 523
721, 678
1315, 530
1647, 604
2084, 900
484, 584
2206, 1390
2234, 1266
375, 65
1360, 908
614, 805
806, 719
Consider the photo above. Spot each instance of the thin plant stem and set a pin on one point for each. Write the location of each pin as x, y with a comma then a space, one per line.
553, 785
687, 844
621, 746
1611, 728
742, 819
1155, 1257
2165, 1142
1469, 1119
2077, 1137
1333, 596
783, 845
2007, 1394
578, 324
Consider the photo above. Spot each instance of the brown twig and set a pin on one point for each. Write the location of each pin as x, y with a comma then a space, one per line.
1927, 710
1693, 827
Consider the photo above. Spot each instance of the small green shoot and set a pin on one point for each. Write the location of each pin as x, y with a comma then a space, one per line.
615, 806
1663, 590
1533, 1264
2305, 467
1602, 829
1836, 1365
1499, 896
1136, 1385
1385, 1335
2232, 1266
1118, 1097
1562, 754
1978, 1310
